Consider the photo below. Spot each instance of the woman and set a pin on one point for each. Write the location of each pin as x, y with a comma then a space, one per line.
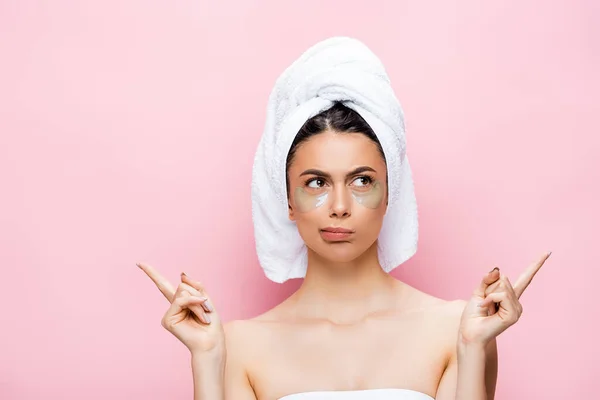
351, 331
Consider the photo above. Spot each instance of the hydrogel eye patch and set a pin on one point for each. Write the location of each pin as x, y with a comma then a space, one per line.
306, 201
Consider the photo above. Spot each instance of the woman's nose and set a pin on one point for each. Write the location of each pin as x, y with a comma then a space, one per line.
341, 203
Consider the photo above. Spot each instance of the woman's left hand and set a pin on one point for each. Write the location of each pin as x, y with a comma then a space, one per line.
494, 305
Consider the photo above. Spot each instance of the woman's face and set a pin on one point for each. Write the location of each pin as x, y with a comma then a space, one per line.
338, 180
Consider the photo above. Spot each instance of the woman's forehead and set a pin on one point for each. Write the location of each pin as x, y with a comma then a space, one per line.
331, 148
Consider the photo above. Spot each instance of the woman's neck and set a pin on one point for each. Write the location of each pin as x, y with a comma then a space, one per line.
345, 292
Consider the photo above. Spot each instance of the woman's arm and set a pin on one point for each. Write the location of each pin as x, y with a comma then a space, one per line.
208, 374
472, 370
477, 371
237, 385
471, 374
223, 376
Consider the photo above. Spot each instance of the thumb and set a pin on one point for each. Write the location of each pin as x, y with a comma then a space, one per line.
487, 280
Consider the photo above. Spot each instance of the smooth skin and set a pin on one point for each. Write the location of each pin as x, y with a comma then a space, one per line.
350, 326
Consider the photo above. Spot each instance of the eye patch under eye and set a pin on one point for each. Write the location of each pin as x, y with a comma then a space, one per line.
306, 202
370, 198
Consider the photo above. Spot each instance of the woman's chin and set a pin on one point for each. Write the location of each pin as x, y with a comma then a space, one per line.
340, 252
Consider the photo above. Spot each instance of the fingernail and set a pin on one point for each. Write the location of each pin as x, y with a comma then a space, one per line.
183, 273
549, 254
209, 307
495, 268
206, 318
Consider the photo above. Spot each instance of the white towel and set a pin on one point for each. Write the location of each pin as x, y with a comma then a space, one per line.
336, 69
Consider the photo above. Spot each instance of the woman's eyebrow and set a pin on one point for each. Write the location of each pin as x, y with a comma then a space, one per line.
355, 171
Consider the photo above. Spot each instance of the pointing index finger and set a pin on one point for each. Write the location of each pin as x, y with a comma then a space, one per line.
162, 283
527, 276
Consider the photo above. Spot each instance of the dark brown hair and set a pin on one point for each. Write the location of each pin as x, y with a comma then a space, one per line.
338, 118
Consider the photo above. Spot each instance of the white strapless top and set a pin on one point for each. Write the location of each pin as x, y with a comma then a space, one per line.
371, 394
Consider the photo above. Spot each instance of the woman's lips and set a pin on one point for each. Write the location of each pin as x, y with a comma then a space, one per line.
336, 234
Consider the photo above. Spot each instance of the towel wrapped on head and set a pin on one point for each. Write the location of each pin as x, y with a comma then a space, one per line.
338, 69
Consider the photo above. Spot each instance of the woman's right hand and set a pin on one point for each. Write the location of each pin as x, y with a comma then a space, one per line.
191, 316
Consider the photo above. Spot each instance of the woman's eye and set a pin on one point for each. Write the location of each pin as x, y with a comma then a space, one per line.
316, 183
363, 181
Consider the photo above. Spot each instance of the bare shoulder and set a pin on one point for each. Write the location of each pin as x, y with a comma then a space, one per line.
451, 309
441, 320
427, 302
238, 335
444, 314
247, 340
234, 330
448, 315
238, 332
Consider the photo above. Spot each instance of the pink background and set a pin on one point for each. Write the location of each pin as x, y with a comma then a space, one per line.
128, 130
